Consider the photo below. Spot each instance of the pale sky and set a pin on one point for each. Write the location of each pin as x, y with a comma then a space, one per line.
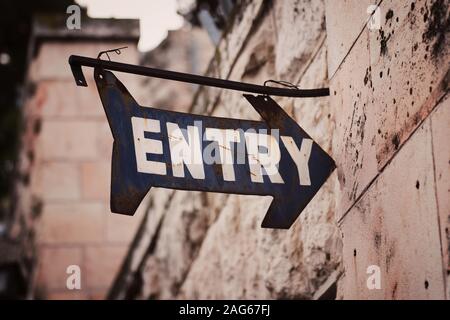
156, 16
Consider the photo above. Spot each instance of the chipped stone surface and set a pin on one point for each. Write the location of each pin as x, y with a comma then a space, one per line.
178, 242
299, 25
387, 85
408, 73
389, 90
345, 19
249, 262
353, 139
403, 240
236, 36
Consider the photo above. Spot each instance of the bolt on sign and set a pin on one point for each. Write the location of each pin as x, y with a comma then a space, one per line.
159, 148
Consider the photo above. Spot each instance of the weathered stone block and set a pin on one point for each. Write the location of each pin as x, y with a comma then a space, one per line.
56, 181
408, 71
180, 236
60, 99
300, 25
403, 240
353, 140
345, 20
235, 38
71, 223
386, 86
74, 140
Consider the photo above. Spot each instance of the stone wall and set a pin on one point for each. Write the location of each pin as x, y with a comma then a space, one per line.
206, 245
67, 156
390, 85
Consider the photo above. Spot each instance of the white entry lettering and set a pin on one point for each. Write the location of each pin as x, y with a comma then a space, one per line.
142, 146
257, 159
300, 157
224, 137
263, 152
184, 152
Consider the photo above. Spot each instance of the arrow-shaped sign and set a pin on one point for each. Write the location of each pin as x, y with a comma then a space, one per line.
159, 148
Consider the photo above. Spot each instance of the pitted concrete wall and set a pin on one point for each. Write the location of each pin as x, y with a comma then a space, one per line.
391, 86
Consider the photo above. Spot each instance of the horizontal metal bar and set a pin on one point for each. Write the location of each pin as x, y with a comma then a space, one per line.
77, 61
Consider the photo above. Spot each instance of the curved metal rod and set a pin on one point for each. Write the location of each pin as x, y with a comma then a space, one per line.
77, 61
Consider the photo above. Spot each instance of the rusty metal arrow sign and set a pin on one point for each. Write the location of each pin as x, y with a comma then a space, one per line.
159, 148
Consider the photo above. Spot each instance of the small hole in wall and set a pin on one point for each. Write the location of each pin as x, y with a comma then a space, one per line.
354, 252
417, 184
426, 284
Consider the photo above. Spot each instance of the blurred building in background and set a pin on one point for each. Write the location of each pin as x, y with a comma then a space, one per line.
17, 251
62, 203
70, 142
